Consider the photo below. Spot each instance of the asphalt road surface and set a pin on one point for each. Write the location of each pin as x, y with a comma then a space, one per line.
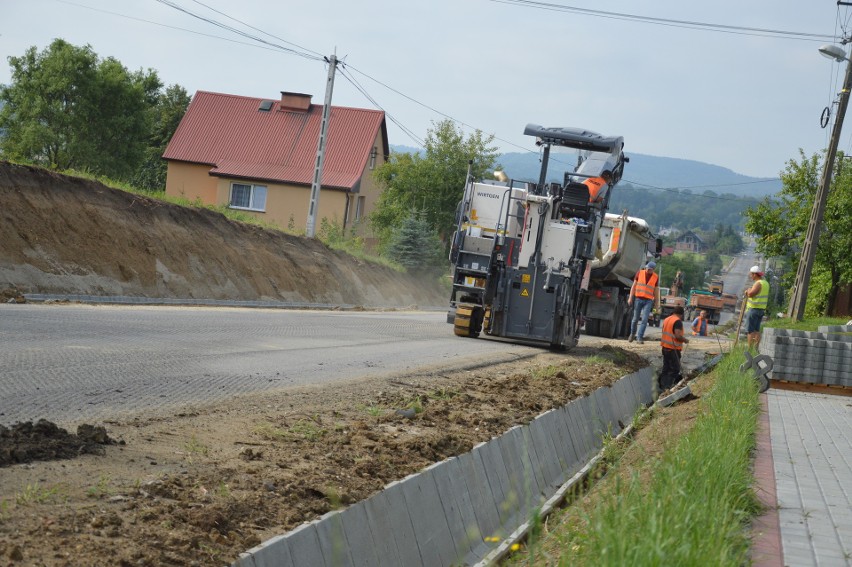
77, 363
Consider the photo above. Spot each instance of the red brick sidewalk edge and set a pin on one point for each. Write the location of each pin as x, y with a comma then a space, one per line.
766, 529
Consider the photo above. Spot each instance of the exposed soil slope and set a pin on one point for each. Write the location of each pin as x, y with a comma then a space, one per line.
66, 235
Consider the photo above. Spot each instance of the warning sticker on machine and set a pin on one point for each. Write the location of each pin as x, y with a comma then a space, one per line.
525, 278
525, 292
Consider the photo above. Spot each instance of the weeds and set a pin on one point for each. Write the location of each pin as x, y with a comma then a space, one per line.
35, 494
195, 447
101, 489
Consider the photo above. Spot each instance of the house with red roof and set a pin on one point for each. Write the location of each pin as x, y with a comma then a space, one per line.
259, 155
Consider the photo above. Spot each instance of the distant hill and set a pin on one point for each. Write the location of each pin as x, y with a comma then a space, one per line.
655, 172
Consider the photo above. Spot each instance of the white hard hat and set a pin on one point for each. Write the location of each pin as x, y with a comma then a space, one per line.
755, 270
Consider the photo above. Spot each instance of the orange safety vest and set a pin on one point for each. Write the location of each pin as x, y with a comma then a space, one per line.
594, 184
645, 285
668, 340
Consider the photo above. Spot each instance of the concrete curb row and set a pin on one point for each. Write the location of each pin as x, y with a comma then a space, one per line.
470, 509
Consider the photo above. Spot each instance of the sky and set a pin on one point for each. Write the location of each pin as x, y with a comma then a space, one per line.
745, 100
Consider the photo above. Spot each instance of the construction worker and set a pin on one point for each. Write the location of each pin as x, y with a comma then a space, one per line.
699, 325
757, 300
672, 341
644, 295
596, 184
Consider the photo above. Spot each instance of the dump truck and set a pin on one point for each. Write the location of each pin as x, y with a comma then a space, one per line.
522, 249
668, 302
717, 285
729, 301
625, 245
699, 300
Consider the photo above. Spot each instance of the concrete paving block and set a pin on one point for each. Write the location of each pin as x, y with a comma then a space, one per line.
332, 540
457, 505
644, 380
603, 409
523, 486
304, 545
481, 496
274, 552
388, 514
535, 459
431, 530
580, 427
498, 478
596, 422
622, 403
548, 455
560, 434
359, 534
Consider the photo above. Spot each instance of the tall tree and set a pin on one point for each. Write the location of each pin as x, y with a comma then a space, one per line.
166, 114
430, 184
66, 108
781, 222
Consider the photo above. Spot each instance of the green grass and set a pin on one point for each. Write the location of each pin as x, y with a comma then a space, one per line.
805, 325
696, 508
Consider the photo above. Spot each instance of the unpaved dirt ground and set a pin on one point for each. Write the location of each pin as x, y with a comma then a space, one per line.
199, 489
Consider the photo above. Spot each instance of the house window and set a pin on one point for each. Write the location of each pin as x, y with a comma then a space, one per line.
249, 197
373, 154
359, 208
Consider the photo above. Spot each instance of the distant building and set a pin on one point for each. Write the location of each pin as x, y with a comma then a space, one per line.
667, 251
689, 242
258, 156
666, 231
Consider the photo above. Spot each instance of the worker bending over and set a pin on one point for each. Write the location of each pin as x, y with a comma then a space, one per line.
672, 341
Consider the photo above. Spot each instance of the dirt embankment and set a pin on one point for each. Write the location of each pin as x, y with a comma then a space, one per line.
66, 235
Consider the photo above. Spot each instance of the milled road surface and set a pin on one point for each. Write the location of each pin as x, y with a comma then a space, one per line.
75, 363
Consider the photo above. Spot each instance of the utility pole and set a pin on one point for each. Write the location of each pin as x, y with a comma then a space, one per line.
316, 185
806, 261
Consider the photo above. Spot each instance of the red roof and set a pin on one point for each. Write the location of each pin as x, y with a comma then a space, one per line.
231, 134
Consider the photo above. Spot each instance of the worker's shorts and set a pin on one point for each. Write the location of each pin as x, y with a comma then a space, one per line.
753, 320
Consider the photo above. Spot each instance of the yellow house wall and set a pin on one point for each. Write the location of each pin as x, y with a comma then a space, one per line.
286, 205
192, 181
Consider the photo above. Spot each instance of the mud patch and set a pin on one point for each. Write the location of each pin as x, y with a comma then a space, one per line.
45, 441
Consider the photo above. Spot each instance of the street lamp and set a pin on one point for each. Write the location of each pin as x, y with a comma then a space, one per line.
806, 261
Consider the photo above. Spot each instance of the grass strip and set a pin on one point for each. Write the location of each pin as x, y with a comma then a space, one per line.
697, 505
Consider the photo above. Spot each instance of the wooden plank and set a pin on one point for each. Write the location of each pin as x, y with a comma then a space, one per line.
830, 389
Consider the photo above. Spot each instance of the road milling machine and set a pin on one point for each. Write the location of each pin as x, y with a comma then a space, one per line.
522, 249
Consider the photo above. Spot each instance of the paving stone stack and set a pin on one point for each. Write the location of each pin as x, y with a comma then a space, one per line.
821, 357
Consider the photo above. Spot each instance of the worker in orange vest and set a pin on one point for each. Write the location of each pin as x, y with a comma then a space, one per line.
699, 325
644, 295
672, 341
596, 184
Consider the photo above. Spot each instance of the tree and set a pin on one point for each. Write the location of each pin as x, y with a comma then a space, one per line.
416, 245
67, 109
780, 224
166, 114
432, 183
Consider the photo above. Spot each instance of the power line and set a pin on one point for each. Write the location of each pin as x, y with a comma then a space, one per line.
705, 26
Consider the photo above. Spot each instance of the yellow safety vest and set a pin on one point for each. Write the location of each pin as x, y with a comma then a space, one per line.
761, 300
645, 285
667, 340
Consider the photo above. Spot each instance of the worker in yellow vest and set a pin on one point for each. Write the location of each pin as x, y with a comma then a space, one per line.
757, 300
644, 295
672, 341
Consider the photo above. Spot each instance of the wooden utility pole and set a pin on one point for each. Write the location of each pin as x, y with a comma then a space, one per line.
316, 185
806, 261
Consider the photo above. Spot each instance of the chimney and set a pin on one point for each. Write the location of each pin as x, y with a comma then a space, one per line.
295, 102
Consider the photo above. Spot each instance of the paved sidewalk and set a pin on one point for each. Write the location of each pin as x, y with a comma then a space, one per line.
810, 441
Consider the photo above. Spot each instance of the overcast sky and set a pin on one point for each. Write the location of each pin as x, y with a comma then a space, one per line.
743, 100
